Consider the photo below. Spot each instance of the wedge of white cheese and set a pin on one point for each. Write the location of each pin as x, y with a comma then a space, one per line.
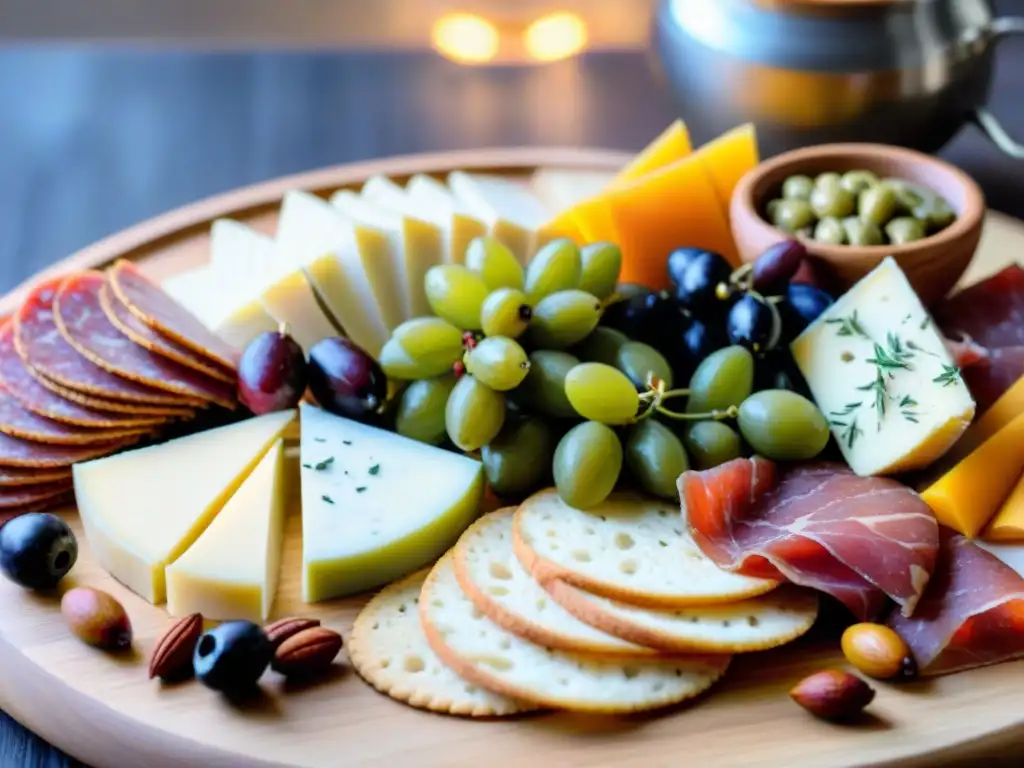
415, 244
375, 505
434, 202
562, 188
883, 377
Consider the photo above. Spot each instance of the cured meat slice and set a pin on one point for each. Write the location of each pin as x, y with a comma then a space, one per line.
81, 321
115, 406
989, 314
34, 397
51, 502
17, 421
121, 317
148, 302
858, 539
29, 494
971, 615
11, 477
41, 346
15, 452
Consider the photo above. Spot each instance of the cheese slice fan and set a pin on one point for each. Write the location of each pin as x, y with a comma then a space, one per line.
142, 509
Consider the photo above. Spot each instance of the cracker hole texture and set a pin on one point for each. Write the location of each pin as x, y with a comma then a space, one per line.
581, 556
499, 663
624, 541
752, 621
497, 590
630, 672
414, 664
552, 533
477, 613
500, 571
541, 604
505, 644
628, 567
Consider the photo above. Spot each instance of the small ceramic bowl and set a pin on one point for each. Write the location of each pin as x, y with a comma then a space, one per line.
933, 265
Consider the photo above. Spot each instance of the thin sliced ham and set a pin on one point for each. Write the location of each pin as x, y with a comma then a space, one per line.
971, 615
859, 539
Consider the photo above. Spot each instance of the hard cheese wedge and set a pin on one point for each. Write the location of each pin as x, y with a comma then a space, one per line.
436, 203
375, 505
968, 496
1009, 406
332, 254
1008, 524
416, 246
511, 212
193, 290
728, 159
883, 377
142, 509
560, 189
231, 571
672, 145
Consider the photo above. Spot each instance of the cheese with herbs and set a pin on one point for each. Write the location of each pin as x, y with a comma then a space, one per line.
882, 376
376, 505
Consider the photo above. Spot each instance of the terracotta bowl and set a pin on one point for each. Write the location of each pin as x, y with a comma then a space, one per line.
933, 265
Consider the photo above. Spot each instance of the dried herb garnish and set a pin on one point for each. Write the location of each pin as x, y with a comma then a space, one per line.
328, 499
848, 326
950, 375
322, 465
374, 470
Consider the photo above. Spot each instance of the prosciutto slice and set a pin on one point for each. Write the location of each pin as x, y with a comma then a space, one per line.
859, 539
971, 615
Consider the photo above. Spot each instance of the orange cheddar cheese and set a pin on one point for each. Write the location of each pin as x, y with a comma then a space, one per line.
657, 213
1008, 524
728, 159
968, 496
1009, 406
593, 218
561, 226
672, 145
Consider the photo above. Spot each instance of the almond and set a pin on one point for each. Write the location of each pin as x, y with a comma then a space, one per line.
832, 694
172, 656
282, 629
307, 652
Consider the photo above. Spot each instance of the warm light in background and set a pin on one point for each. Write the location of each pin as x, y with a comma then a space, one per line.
555, 36
466, 38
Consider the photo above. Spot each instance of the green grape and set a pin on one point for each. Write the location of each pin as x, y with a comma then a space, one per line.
655, 457
399, 364
556, 267
456, 294
587, 464
543, 389
601, 346
421, 410
710, 443
723, 379
783, 425
430, 338
564, 318
498, 362
474, 414
518, 461
601, 265
494, 262
601, 393
505, 312
640, 362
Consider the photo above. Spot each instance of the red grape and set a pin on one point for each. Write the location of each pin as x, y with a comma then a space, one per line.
271, 373
346, 381
776, 266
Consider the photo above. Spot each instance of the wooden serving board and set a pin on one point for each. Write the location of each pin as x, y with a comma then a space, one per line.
103, 709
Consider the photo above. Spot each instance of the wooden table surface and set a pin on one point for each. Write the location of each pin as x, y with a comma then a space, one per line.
93, 140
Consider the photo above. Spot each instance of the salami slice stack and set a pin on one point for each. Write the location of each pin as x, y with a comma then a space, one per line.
92, 363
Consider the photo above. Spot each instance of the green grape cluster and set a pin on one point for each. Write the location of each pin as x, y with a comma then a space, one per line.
514, 367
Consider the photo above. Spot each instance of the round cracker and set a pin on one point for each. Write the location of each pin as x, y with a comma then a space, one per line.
388, 649
629, 548
485, 654
497, 583
755, 624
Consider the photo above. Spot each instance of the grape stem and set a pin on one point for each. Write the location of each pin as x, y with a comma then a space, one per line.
654, 397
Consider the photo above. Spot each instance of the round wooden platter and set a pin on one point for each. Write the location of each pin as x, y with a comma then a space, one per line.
103, 710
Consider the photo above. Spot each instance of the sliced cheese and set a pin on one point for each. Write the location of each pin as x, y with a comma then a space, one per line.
231, 571
671, 146
891, 416
416, 245
239, 258
375, 505
435, 202
562, 188
1008, 523
969, 495
193, 290
332, 254
511, 212
728, 159
143, 509
595, 220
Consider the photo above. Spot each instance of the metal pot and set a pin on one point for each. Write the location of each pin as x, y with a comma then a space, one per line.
906, 72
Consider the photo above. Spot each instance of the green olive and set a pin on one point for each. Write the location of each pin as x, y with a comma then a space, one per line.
857, 181
793, 215
783, 425
798, 187
829, 179
710, 443
830, 230
935, 213
771, 209
587, 464
877, 205
862, 233
908, 194
904, 229
518, 461
656, 458
832, 201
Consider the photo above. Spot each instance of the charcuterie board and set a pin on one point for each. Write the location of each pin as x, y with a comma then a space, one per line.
104, 711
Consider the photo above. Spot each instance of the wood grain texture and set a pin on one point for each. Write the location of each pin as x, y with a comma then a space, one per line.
103, 710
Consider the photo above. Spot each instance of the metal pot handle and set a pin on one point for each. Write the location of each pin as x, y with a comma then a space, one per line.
1003, 27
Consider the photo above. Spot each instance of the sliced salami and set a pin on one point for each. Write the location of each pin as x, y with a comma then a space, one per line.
148, 302
51, 502
121, 317
33, 396
116, 406
28, 494
17, 421
10, 477
81, 321
15, 452
41, 346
